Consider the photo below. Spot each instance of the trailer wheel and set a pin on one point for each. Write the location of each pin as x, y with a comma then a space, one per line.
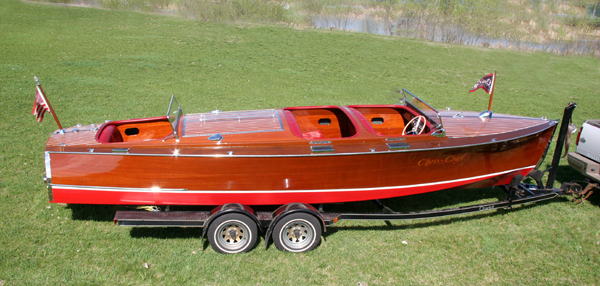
232, 233
298, 232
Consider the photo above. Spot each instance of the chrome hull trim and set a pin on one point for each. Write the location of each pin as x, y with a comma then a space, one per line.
48, 176
47, 164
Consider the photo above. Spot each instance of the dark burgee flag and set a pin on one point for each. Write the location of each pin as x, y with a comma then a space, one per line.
487, 83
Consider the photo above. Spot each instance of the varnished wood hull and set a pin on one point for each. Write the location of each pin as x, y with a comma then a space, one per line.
151, 177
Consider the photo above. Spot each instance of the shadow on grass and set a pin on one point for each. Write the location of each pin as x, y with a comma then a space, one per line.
567, 174
172, 233
107, 212
180, 232
93, 212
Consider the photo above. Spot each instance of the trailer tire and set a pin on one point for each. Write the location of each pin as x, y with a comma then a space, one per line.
232, 233
297, 232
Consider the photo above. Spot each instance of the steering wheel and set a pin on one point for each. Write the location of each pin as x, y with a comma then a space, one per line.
418, 124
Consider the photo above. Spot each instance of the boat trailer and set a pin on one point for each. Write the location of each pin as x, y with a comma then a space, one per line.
296, 227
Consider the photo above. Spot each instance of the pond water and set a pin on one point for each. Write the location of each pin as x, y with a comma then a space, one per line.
438, 31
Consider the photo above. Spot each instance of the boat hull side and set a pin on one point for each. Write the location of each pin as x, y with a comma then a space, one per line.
134, 179
130, 196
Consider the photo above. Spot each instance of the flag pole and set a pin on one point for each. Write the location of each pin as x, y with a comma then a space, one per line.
48, 102
492, 94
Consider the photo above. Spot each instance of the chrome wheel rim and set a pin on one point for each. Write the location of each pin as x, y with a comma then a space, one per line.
232, 236
297, 235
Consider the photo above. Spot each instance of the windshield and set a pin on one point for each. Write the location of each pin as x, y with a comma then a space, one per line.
409, 99
174, 113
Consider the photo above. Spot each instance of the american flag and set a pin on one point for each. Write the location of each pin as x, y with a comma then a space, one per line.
40, 106
487, 83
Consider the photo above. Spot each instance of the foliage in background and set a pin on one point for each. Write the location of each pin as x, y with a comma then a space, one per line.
234, 10
475, 22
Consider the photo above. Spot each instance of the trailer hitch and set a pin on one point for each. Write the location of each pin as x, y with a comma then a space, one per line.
579, 194
571, 188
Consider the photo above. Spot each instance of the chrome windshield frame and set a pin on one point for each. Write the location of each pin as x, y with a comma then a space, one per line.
432, 114
174, 116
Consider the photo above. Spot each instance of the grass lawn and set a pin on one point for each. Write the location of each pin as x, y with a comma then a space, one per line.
97, 64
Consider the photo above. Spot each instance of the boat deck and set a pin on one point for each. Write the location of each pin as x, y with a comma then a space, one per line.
467, 124
456, 124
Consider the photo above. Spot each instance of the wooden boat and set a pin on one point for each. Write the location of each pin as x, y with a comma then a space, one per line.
316, 154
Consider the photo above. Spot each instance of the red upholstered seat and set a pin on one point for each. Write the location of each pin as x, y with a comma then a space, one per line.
109, 134
317, 134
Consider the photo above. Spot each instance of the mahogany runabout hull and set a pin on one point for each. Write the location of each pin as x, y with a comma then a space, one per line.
277, 167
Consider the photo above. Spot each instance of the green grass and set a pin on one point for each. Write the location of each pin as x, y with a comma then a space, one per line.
96, 65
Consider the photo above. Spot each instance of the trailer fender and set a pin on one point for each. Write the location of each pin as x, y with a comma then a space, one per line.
229, 208
285, 210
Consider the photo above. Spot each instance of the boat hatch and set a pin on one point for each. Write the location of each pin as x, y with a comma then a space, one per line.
319, 122
231, 122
